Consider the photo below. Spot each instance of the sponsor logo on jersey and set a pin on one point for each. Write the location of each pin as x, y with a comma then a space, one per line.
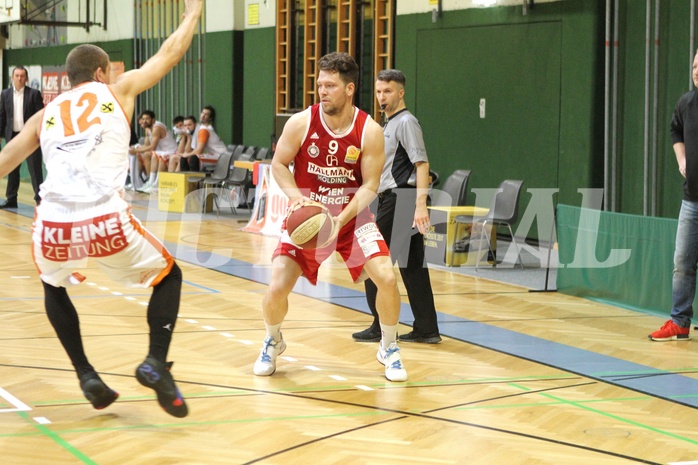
315, 136
330, 196
96, 237
352, 155
107, 107
331, 175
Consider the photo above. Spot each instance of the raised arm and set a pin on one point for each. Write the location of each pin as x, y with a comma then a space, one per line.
132, 83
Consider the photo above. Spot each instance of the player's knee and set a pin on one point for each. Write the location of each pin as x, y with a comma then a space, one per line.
277, 291
385, 279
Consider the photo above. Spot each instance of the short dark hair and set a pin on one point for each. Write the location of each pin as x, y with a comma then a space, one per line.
212, 111
150, 113
342, 63
83, 61
191, 118
178, 119
390, 75
21, 68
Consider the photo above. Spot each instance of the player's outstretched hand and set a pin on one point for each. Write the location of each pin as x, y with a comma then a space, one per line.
193, 7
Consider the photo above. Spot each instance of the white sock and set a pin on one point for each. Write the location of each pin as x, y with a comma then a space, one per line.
133, 169
388, 335
274, 331
151, 181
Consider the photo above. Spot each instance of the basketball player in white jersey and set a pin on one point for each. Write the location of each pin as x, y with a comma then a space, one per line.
84, 134
159, 145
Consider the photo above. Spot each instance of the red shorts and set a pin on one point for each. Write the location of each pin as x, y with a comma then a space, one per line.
356, 245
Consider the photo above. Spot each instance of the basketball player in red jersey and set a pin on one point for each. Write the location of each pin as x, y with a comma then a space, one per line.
338, 154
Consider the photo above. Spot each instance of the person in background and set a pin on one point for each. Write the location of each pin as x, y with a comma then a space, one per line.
206, 146
183, 144
83, 216
684, 135
177, 127
137, 169
17, 105
402, 214
159, 145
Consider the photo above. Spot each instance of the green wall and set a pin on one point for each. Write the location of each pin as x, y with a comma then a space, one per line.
258, 97
539, 76
672, 81
118, 50
220, 76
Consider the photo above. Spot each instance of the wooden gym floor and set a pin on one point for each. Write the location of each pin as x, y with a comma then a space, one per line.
520, 377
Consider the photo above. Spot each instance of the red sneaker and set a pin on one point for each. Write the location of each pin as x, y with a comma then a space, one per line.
671, 332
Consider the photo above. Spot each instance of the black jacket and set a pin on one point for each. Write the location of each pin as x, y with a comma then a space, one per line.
33, 102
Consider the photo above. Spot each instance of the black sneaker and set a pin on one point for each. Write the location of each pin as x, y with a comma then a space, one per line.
431, 338
156, 375
98, 393
370, 334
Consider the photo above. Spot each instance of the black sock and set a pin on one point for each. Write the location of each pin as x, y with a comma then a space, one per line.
162, 313
64, 319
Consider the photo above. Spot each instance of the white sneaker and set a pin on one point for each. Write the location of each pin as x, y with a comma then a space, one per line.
390, 357
145, 188
266, 362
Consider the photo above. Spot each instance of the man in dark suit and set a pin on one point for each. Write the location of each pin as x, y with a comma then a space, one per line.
27, 101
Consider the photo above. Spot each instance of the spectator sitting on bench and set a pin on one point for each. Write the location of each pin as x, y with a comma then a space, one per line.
159, 145
206, 146
182, 129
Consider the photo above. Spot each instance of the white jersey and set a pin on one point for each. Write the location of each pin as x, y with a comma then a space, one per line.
215, 146
166, 145
84, 139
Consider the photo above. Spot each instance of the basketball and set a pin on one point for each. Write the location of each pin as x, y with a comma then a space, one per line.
309, 225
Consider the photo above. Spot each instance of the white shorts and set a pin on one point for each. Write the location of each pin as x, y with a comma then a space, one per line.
164, 156
64, 238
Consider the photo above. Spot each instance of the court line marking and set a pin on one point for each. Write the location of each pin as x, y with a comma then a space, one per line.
18, 404
668, 385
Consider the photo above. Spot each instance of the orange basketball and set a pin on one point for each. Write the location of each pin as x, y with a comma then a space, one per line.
309, 225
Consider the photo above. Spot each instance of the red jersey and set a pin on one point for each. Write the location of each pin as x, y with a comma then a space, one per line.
327, 167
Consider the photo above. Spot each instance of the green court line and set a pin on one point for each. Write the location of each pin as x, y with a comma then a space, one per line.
324, 388
44, 431
538, 404
626, 420
54, 435
612, 416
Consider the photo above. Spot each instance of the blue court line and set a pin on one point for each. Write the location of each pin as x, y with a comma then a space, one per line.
641, 378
